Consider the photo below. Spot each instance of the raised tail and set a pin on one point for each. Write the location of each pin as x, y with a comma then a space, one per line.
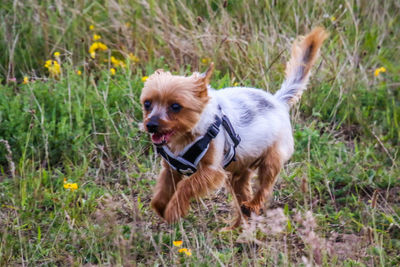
305, 51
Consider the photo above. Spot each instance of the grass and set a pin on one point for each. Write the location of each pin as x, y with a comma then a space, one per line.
336, 203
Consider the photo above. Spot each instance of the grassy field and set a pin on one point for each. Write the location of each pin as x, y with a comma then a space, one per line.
76, 173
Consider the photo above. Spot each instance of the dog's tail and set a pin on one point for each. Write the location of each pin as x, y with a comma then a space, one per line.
304, 53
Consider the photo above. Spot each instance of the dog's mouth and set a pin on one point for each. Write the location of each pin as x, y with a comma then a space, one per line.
161, 138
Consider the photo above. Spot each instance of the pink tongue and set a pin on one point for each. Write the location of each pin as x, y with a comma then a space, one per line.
157, 138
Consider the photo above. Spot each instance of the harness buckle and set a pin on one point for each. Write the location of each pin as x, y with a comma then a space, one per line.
213, 130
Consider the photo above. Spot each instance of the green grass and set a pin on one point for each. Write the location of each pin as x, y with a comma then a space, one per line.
343, 178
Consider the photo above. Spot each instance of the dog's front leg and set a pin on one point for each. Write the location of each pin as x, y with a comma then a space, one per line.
206, 179
167, 183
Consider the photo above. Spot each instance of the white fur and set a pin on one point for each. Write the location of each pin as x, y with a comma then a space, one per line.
268, 126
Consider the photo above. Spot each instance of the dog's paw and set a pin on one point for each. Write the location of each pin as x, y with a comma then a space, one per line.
158, 206
175, 211
247, 208
171, 216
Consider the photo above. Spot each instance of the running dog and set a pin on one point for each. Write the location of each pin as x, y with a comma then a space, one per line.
210, 137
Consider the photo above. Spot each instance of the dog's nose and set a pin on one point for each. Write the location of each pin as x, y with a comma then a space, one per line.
152, 125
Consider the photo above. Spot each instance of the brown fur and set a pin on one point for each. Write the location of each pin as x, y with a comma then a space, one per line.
165, 188
305, 51
173, 193
268, 166
205, 180
164, 89
268, 170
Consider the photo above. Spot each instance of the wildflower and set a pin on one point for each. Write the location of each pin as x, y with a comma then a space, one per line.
91, 27
57, 54
178, 243
205, 60
188, 252
144, 78
97, 46
93, 54
26, 80
102, 46
236, 84
70, 186
379, 70
127, 24
53, 67
96, 37
112, 71
133, 58
333, 18
79, 72
117, 62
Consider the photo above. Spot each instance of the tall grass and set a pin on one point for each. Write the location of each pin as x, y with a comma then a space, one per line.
336, 204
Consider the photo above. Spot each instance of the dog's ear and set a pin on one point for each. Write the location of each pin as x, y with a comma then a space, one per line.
204, 79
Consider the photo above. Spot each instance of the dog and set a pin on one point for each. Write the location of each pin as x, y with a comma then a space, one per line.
183, 113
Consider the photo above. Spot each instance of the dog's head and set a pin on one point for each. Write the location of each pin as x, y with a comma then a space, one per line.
172, 104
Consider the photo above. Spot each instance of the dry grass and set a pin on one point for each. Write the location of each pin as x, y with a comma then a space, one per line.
336, 203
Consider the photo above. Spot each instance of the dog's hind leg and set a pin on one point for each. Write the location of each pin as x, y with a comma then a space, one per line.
241, 187
268, 170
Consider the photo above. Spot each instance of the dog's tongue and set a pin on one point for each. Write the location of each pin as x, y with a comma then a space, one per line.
160, 138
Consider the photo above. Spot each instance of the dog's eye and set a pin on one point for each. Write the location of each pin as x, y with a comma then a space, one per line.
175, 107
147, 104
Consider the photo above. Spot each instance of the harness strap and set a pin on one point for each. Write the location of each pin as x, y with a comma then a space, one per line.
231, 155
177, 163
186, 162
201, 145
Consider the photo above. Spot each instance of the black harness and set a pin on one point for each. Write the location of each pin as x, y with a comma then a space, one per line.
186, 162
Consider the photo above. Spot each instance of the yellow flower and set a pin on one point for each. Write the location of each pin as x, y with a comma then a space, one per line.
178, 243
53, 67
236, 84
71, 186
379, 70
133, 58
188, 252
56, 54
127, 24
92, 54
93, 47
91, 27
96, 37
117, 62
333, 18
144, 78
102, 46
112, 71
79, 72
97, 46
205, 60
26, 80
